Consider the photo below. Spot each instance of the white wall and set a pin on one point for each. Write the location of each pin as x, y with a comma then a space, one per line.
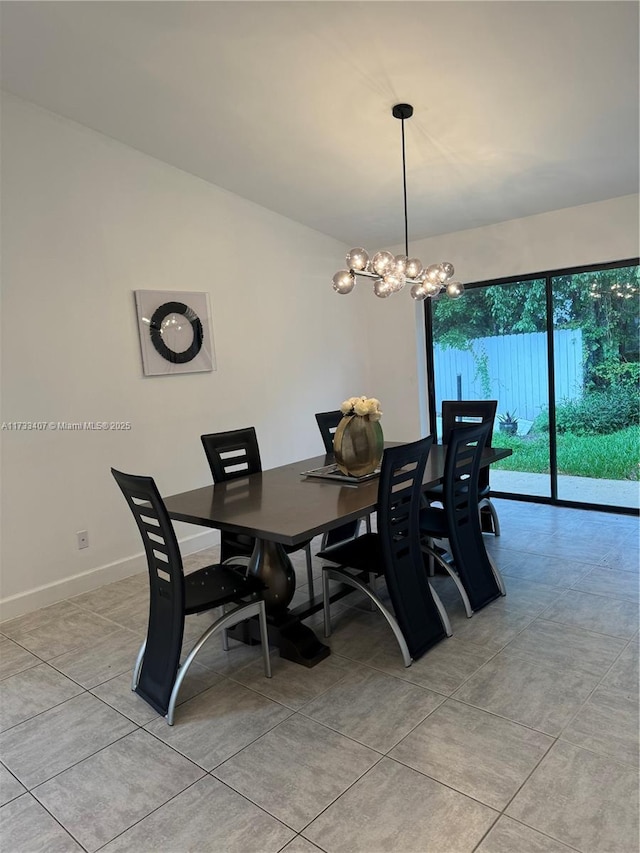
588, 234
85, 222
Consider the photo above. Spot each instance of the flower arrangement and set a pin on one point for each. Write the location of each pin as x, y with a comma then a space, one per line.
364, 407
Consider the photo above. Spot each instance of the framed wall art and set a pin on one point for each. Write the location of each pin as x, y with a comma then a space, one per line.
175, 332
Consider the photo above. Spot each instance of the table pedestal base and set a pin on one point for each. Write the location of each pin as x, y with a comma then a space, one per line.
295, 641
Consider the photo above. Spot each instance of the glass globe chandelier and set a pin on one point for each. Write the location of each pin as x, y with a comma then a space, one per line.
390, 273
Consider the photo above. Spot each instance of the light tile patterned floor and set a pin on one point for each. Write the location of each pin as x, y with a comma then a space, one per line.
517, 735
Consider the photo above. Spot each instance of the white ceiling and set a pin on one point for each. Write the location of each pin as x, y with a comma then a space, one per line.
520, 107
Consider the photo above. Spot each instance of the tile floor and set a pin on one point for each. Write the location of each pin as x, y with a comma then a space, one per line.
519, 734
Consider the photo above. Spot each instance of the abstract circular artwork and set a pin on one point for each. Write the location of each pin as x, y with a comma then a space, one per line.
175, 332
167, 327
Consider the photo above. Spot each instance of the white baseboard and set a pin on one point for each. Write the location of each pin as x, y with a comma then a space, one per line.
42, 596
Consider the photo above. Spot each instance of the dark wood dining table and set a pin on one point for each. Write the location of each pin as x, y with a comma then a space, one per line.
280, 506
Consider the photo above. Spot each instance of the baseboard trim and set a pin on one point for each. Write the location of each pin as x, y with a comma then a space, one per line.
42, 596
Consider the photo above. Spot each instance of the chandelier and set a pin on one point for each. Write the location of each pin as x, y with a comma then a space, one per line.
390, 273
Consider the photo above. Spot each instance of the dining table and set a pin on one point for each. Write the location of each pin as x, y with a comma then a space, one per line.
282, 506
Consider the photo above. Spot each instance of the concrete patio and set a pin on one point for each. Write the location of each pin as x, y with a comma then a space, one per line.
623, 493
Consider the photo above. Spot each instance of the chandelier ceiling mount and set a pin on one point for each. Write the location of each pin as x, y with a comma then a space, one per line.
390, 273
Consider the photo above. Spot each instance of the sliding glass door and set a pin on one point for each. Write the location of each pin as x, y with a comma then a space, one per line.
559, 352
596, 410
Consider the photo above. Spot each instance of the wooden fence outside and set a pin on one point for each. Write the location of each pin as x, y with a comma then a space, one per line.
515, 374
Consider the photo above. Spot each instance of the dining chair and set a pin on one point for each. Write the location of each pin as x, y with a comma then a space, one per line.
461, 412
419, 619
328, 423
452, 525
157, 674
231, 455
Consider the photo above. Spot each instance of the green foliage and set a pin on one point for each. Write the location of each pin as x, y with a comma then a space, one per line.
482, 372
587, 301
611, 457
598, 412
613, 372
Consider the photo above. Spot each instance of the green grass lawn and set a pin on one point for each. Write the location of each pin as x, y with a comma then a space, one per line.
608, 457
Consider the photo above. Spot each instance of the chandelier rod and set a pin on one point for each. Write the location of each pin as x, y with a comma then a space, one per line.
404, 185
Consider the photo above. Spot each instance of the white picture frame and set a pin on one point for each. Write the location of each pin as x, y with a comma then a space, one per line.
175, 332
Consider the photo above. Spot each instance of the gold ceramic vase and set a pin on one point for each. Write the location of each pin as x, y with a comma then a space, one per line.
358, 445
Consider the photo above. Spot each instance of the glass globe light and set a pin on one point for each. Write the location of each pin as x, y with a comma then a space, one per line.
433, 273
382, 262
414, 267
400, 265
343, 281
357, 259
382, 289
455, 289
418, 292
395, 280
446, 270
432, 288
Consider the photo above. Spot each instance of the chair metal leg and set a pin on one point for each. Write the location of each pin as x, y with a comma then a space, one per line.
309, 569
453, 575
368, 523
337, 574
238, 614
138, 666
486, 502
494, 516
372, 585
497, 575
441, 610
326, 603
264, 638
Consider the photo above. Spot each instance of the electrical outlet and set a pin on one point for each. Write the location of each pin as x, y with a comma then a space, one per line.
83, 539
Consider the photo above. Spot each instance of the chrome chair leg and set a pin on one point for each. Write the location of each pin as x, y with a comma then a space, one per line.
443, 613
138, 666
309, 569
497, 575
494, 516
337, 574
232, 561
486, 502
233, 617
326, 604
453, 575
372, 586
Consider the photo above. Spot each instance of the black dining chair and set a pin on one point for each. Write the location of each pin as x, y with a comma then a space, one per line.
231, 455
327, 424
459, 413
157, 674
454, 523
419, 619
